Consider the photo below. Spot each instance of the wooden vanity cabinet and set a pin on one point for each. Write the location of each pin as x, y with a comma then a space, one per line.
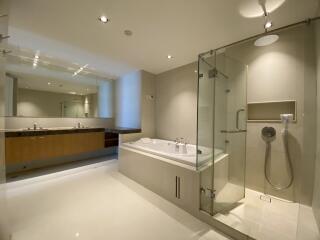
30, 148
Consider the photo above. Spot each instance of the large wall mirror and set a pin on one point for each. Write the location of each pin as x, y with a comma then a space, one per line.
39, 86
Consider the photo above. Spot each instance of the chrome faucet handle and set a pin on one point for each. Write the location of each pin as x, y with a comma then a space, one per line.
34, 126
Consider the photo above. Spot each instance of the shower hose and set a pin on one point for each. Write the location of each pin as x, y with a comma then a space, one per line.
267, 161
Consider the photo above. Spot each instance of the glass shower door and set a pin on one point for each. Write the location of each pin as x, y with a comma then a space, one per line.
222, 130
230, 132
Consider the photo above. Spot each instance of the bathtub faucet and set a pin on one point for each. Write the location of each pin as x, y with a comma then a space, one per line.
180, 142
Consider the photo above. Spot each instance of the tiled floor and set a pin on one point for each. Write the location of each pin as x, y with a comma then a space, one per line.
96, 202
270, 221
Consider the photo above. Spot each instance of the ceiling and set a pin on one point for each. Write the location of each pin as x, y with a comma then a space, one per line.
70, 30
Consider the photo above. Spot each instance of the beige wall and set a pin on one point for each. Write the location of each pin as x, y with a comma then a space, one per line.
135, 104
316, 191
279, 72
176, 103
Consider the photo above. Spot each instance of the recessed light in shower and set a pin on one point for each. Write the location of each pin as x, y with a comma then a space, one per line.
169, 56
268, 25
266, 40
104, 19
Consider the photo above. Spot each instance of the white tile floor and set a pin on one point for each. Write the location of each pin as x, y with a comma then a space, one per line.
270, 221
96, 202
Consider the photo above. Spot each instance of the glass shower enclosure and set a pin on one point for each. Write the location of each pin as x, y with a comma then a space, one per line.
222, 116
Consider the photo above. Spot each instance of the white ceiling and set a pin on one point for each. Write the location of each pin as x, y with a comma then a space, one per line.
69, 29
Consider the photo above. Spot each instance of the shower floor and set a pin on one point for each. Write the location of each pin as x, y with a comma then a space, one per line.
270, 221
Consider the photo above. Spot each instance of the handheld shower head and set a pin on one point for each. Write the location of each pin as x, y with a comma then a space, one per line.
286, 119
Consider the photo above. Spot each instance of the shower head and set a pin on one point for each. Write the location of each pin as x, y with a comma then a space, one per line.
268, 134
286, 119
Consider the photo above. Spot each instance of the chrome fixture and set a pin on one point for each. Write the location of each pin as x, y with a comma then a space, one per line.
266, 39
35, 126
79, 125
5, 52
237, 125
237, 117
181, 142
3, 37
268, 135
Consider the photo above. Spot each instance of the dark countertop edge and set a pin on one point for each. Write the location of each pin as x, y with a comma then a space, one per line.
26, 133
123, 130
43, 132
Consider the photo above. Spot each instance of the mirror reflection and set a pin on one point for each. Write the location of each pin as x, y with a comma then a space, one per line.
40, 86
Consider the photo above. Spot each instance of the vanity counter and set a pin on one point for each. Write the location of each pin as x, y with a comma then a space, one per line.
49, 131
121, 130
66, 130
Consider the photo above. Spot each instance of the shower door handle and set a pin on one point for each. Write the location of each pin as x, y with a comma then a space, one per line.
237, 118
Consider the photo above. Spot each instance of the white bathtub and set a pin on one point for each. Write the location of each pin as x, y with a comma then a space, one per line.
167, 149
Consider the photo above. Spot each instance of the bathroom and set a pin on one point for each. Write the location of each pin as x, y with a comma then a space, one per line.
222, 145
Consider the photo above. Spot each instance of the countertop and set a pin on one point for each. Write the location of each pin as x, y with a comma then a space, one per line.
121, 130
65, 130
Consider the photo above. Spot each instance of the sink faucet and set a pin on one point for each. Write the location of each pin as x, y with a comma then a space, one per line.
79, 124
34, 126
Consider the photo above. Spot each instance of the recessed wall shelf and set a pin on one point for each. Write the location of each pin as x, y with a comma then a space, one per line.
270, 111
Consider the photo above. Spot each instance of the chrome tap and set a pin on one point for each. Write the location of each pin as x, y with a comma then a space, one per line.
34, 126
184, 147
177, 144
79, 125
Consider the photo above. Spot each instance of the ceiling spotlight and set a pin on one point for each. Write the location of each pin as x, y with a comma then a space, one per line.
49, 83
104, 19
268, 25
169, 56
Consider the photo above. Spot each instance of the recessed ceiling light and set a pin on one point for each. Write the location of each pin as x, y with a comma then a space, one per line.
196, 71
73, 93
49, 83
169, 56
104, 19
36, 56
268, 25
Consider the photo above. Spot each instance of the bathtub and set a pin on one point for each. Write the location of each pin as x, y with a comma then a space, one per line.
167, 149
172, 174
